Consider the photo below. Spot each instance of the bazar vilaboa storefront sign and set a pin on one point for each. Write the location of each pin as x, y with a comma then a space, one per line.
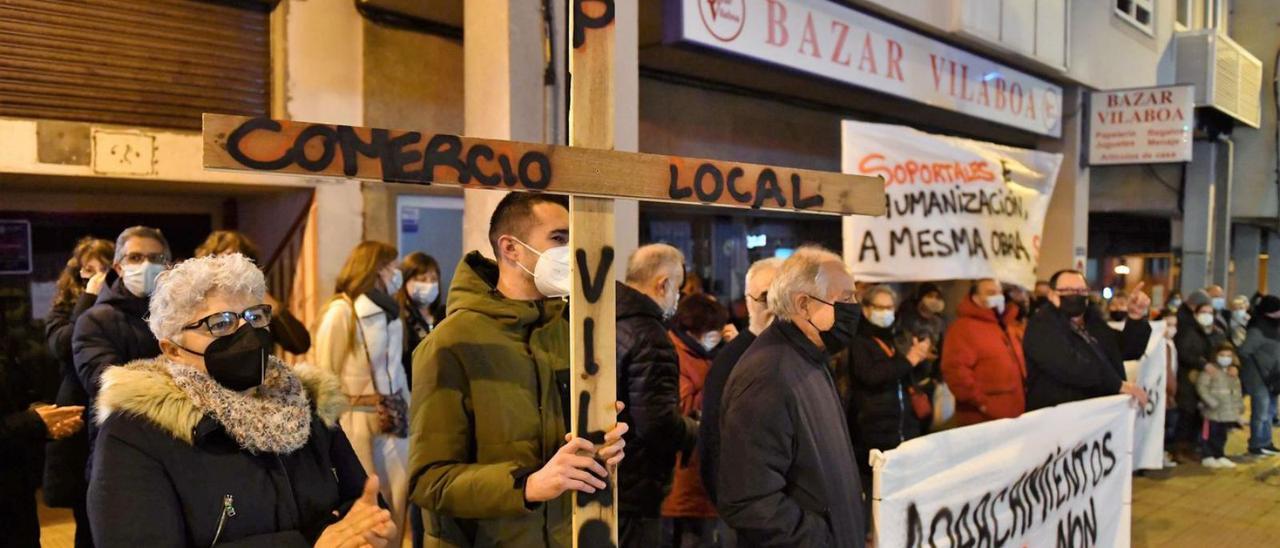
829, 40
1141, 126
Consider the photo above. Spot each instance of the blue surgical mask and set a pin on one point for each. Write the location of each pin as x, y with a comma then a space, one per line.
397, 280
1219, 303
882, 318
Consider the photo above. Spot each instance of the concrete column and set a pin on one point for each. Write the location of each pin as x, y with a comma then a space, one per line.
323, 49
503, 78
1066, 224
1220, 267
1199, 211
626, 125
1245, 246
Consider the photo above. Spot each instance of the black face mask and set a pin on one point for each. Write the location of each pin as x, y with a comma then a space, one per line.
840, 336
1119, 315
238, 361
1073, 306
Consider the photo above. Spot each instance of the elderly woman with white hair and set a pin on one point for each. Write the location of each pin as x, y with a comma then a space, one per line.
215, 442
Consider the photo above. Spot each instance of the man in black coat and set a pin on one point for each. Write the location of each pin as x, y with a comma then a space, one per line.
759, 277
791, 480
113, 331
1073, 355
649, 385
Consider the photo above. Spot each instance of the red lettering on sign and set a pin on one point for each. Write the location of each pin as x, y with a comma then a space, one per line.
895, 59
842, 34
809, 37
868, 56
777, 24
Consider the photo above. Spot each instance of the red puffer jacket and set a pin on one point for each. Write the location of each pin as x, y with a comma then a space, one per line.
983, 365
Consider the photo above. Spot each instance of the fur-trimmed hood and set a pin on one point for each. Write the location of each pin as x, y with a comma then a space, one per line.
145, 388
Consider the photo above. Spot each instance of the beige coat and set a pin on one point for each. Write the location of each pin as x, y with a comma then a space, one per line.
366, 359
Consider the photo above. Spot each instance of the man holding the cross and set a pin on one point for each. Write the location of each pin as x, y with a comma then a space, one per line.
490, 394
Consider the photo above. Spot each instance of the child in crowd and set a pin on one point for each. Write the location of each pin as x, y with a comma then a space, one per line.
1222, 404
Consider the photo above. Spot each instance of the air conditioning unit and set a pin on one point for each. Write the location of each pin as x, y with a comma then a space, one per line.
1227, 77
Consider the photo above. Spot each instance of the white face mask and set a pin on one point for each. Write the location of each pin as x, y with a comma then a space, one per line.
395, 283
882, 318
673, 294
710, 340
1205, 319
1225, 361
424, 293
1241, 315
996, 302
1219, 303
140, 279
551, 275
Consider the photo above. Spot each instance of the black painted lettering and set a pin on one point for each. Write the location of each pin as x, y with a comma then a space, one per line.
582, 21
474, 155
593, 286
767, 187
444, 150
530, 160
803, 202
328, 141
236, 138
707, 170
395, 157
674, 190
351, 144
731, 178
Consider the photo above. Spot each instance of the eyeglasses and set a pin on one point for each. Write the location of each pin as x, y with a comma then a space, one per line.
764, 297
832, 304
221, 324
139, 258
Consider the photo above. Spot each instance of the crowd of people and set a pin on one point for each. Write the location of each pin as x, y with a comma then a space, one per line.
441, 415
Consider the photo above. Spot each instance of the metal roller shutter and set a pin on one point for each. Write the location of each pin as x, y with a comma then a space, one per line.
154, 63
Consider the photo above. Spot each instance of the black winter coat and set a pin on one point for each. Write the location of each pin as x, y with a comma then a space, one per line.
165, 474
791, 481
22, 437
1196, 347
110, 333
879, 411
65, 459
1063, 366
722, 367
649, 384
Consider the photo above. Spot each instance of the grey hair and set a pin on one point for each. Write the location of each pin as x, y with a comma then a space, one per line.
140, 232
181, 289
879, 289
772, 263
800, 274
650, 261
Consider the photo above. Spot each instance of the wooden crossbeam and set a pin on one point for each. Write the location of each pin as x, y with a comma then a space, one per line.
400, 156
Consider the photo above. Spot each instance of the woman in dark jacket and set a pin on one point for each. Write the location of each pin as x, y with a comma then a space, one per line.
77, 290
1196, 341
884, 367
216, 442
421, 306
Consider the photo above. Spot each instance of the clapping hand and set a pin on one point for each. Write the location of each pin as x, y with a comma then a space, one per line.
61, 422
365, 526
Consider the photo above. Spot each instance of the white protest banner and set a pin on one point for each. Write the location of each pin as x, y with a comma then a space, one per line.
957, 208
1149, 373
827, 39
1059, 476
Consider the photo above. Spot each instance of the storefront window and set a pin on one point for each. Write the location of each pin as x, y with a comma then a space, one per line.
720, 244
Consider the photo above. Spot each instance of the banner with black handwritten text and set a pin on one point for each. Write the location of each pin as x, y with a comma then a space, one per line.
957, 208
1150, 373
1059, 476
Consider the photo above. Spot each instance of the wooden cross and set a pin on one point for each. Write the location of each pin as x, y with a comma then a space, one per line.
588, 171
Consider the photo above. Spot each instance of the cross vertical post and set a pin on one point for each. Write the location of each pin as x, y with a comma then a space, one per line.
593, 381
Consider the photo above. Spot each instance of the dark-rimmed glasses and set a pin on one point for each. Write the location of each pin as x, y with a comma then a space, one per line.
221, 324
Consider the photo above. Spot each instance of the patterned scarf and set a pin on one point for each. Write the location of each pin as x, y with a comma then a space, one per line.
274, 417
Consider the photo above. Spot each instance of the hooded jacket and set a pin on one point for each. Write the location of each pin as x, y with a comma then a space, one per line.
649, 384
487, 411
166, 473
984, 365
1220, 396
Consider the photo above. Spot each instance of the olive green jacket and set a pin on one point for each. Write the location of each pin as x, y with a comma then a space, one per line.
487, 411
